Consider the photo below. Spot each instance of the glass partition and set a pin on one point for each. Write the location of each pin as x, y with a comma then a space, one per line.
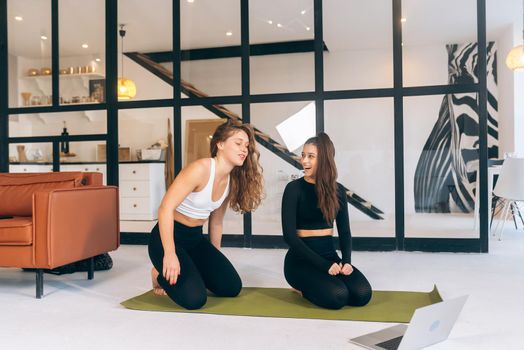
148, 31
211, 52
358, 36
362, 132
278, 164
82, 51
56, 124
274, 24
439, 42
29, 52
441, 163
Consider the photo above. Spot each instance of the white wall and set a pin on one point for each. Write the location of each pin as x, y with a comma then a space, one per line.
506, 94
519, 113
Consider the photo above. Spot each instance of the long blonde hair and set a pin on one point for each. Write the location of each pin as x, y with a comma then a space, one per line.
246, 184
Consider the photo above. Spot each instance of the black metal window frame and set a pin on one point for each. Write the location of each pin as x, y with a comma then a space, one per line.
319, 95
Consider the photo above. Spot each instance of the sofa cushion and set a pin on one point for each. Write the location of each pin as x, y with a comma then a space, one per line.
16, 190
16, 231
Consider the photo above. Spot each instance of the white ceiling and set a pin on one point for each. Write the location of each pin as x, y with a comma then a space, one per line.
348, 24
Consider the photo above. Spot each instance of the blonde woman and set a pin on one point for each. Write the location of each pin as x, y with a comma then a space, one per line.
185, 263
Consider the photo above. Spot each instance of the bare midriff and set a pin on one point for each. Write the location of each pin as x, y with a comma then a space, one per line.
186, 220
315, 233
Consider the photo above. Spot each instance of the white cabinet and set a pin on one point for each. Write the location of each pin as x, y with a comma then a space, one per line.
30, 168
142, 187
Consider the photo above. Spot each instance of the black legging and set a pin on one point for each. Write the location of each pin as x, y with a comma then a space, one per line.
321, 288
201, 266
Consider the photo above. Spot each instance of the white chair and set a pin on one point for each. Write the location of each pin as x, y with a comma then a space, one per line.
510, 186
494, 166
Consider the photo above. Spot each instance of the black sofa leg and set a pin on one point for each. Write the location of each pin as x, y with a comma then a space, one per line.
39, 283
91, 268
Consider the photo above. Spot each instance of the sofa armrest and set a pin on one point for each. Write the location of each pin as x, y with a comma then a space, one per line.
74, 224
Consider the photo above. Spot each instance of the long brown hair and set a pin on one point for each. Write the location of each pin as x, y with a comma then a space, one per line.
326, 177
246, 184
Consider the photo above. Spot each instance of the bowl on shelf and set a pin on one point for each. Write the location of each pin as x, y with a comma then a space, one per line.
149, 154
45, 71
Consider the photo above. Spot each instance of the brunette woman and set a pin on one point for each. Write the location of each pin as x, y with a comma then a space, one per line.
309, 206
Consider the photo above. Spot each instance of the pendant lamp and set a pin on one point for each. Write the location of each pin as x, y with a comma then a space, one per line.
126, 87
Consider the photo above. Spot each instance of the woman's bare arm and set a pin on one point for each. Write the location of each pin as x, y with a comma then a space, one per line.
216, 220
187, 181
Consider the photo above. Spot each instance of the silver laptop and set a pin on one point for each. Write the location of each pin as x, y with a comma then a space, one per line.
429, 325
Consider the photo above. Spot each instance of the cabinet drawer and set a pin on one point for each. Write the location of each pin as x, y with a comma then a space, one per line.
134, 188
20, 168
138, 205
99, 168
133, 172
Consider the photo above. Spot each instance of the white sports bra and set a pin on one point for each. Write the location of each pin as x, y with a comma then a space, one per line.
199, 205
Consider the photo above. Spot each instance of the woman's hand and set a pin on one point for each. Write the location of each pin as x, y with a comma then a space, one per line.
346, 269
334, 269
171, 268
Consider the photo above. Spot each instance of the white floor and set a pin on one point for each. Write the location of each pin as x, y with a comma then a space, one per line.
80, 314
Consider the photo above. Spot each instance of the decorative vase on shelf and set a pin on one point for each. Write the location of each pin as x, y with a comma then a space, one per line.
64, 145
21, 153
26, 98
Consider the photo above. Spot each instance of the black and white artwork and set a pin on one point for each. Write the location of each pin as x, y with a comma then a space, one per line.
447, 168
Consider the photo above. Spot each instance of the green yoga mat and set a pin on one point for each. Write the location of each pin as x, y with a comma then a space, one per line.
385, 306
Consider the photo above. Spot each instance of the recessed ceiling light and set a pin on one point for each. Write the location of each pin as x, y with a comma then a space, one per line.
270, 21
190, 1
19, 18
43, 37
85, 46
403, 19
303, 12
98, 59
308, 29
229, 33
279, 25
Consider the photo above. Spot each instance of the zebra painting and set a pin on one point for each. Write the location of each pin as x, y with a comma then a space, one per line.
447, 168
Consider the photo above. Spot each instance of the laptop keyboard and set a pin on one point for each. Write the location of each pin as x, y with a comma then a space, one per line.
391, 344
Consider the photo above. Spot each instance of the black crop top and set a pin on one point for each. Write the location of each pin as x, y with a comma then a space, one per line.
300, 211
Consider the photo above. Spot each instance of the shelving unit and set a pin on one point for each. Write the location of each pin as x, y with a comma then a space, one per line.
70, 85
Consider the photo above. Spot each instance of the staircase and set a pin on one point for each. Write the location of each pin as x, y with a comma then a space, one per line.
265, 140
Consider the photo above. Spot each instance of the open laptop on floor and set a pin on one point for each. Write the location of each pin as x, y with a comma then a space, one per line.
429, 325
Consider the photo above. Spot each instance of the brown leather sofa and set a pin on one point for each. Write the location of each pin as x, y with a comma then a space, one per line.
55, 219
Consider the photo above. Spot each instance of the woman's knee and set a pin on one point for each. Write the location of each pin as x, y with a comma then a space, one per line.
362, 298
194, 301
338, 298
189, 294
230, 287
330, 298
234, 289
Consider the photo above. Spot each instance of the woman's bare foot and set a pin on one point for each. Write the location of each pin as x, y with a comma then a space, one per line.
157, 290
